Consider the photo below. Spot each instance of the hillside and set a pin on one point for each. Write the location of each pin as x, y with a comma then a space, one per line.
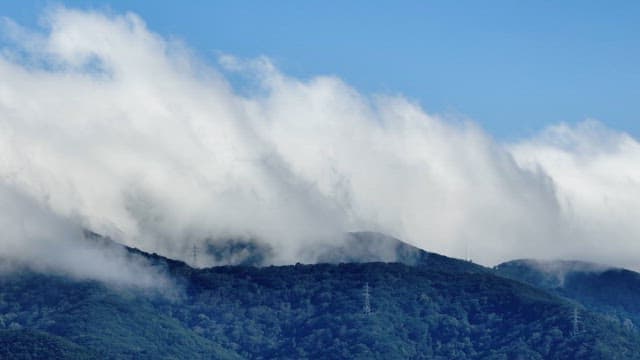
29, 344
439, 309
612, 291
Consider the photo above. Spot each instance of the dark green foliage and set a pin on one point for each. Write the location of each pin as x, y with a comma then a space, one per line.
440, 308
615, 292
110, 323
29, 344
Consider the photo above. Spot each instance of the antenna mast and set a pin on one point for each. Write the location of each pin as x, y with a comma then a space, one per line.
195, 256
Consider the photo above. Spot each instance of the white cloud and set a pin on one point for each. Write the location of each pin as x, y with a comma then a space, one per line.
34, 237
596, 173
113, 128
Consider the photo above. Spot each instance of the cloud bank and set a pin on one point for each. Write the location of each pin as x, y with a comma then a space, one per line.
107, 126
35, 238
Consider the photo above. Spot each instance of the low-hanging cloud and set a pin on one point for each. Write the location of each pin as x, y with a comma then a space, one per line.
113, 128
33, 237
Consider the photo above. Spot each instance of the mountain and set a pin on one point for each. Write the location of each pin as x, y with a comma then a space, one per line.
355, 247
367, 246
609, 290
30, 344
431, 307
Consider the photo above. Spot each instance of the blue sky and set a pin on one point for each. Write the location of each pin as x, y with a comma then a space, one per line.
512, 66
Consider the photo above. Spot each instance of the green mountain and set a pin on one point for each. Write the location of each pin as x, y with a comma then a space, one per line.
612, 291
30, 344
431, 307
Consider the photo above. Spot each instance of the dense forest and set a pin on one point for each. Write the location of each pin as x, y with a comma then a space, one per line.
612, 291
434, 308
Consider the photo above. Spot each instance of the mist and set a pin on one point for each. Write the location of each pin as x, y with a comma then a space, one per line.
107, 126
36, 239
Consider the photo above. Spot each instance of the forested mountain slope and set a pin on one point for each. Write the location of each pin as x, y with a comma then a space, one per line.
613, 291
440, 308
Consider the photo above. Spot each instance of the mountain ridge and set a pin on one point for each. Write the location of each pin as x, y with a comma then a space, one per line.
435, 308
606, 289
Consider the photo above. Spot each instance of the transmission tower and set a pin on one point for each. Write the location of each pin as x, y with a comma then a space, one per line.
366, 309
466, 252
575, 321
195, 256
